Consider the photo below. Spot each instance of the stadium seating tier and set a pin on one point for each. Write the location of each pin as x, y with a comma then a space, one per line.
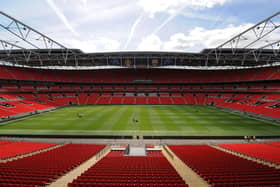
42, 168
115, 169
222, 169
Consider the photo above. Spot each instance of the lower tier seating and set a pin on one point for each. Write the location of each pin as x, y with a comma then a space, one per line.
274, 144
2, 142
257, 150
222, 169
264, 104
118, 170
19, 148
42, 168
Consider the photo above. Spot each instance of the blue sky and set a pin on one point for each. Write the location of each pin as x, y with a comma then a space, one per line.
159, 25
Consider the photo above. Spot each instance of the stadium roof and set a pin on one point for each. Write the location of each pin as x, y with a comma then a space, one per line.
139, 59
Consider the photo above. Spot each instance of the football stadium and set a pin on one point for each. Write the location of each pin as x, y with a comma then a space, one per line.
188, 112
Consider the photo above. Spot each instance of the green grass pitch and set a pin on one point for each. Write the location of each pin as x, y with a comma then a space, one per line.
155, 120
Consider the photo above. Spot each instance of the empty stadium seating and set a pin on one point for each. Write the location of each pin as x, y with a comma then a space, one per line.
129, 75
223, 169
42, 168
12, 149
2, 142
274, 144
254, 90
257, 150
264, 104
268, 87
118, 170
218, 168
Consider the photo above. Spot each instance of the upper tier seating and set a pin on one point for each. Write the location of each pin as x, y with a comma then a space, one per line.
42, 168
115, 169
222, 169
257, 150
130, 75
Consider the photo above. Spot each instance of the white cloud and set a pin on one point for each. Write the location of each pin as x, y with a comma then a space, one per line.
99, 12
214, 37
132, 30
93, 45
176, 7
85, 46
167, 20
113, 25
150, 43
171, 6
61, 16
194, 15
195, 40
178, 41
109, 44
84, 1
